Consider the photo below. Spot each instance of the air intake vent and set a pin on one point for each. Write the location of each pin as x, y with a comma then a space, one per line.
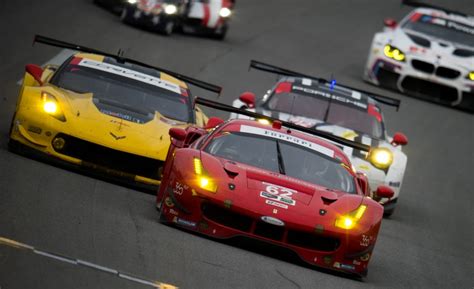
463, 52
420, 40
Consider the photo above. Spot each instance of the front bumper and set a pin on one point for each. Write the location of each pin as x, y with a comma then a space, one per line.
424, 80
320, 247
34, 137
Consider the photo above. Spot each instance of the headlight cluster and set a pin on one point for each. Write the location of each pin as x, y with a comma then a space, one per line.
225, 12
203, 180
349, 220
393, 53
170, 9
50, 106
381, 158
470, 76
132, 1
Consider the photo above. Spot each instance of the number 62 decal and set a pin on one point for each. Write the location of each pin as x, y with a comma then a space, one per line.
277, 193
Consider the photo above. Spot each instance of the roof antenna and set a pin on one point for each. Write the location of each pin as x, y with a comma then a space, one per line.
332, 84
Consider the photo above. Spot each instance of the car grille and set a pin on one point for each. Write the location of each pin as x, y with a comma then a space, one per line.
110, 158
306, 240
429, 90
441, 71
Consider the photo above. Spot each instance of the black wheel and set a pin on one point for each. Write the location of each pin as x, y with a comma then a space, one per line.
220, 32
168, 28
388, 213
124, 16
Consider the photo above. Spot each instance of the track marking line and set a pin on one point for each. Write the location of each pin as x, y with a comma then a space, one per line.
130, 277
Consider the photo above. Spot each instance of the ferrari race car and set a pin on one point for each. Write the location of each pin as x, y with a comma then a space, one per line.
192, 16
103, 113
343, 111
273, 183
429, 54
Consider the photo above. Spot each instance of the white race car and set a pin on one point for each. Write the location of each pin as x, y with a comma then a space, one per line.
342, 111
429, 54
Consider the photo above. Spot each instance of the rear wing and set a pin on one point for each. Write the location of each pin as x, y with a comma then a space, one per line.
285, 72
121, 59
321, 134
426, 5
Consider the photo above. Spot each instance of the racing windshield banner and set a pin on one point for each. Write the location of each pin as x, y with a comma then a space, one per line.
128, 73
444, 23
353, 99
285, 137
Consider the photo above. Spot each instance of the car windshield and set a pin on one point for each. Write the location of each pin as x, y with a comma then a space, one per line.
124, 97
315, 108
280, 156
442, 28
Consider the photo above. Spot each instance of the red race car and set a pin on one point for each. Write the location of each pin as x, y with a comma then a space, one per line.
273, 181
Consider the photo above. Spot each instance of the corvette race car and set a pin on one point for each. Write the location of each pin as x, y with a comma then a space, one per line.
429, 55
103, 113
192, 16
272, 183
343, 111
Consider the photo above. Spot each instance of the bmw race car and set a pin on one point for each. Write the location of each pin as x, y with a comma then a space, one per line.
429, 54
192, 16
273, 183
343, 111
103, 113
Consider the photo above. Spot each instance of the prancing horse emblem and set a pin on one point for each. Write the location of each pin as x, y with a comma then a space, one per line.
117, 137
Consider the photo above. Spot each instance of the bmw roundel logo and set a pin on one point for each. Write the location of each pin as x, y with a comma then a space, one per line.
272, 220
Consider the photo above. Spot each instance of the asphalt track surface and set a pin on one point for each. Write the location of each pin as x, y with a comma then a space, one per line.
427, 243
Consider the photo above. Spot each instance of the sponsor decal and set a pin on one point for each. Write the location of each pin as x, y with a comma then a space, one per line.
132, 74
272, 220
276, 204
184, 222
173, 212
347, 267
353, 100
394, 184
365, 241
289, 138
228, 204
279, 194
275, 211
120, 115
178, 189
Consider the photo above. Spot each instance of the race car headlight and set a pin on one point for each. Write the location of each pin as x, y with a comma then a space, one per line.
171, 9
264, 121
470, 76
225, 12
203, 180
50, 106
393, 53
381, 158
132, 1
349, 220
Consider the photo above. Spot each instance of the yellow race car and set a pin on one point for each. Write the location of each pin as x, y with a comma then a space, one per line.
103, 112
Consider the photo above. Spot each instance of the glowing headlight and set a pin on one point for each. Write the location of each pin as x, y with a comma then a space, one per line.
394, 53
51, 107
203, 181
381, 158
349, 221
132, 1
225, 12
264, 121
170, 9
471, 75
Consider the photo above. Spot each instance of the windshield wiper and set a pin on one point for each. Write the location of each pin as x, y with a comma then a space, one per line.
281, 164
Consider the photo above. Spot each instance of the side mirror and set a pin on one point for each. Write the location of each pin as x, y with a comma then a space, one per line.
384, 192
35, 71
399, 139
178, 134
248, 98
390, 23
213, 122
363, 183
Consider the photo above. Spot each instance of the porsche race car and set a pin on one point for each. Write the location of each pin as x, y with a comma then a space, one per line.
103, 112
192, 16
429, 54
350, 113
273, 183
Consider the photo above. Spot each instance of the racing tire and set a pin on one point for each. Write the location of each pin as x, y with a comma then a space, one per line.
168, 28
125, 16
220, 32
388, 213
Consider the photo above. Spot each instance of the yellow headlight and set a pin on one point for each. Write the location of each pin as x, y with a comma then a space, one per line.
381, 158
50, 107
394, 53
350, 220
264, 121
198, 170
203, 181
471, 75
